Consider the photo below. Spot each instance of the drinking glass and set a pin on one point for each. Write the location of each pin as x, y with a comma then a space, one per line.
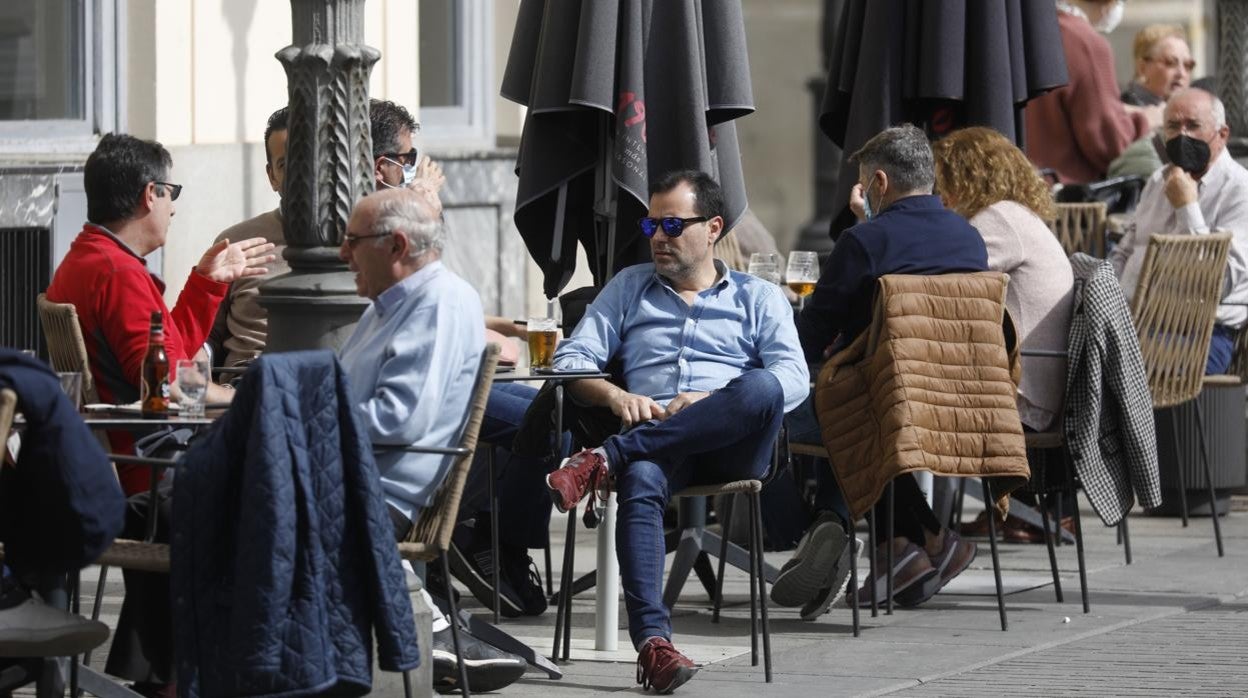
543, 336
802, 273
766, 266
192, 376
71, 384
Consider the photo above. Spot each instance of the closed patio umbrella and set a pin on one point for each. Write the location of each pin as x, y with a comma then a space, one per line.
940, 64
620, 92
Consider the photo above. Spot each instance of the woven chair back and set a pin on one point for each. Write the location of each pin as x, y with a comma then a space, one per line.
66, 347
1173, 308
1081, 228
435, 524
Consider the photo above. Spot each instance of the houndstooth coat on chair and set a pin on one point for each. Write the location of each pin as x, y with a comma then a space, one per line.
1108, 420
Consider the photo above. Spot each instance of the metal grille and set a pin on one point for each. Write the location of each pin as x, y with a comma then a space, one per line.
25, 270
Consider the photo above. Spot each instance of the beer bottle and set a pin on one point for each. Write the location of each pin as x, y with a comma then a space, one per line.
154, 390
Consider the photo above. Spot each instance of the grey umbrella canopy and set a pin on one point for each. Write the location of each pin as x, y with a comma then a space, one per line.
620, 92
939, 64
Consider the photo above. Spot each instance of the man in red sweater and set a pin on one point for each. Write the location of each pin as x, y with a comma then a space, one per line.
105, 276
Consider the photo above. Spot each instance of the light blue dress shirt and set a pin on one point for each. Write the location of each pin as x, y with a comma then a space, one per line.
412, 361
668, 346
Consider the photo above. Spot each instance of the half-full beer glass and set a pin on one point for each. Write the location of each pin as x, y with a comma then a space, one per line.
543, 335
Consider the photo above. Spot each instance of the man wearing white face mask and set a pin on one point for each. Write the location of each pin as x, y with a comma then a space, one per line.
1079, 129
396, 162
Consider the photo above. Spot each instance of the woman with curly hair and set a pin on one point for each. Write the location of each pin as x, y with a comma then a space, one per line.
982, 176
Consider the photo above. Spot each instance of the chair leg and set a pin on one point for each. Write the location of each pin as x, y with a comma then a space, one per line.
564, 598
95, 606
888, 543
465, 690
550, 582
1049, 534
1204, 458
753, 590
1125, 533
1178, 463
407, 684
853, 582
726, 522
757, 559
1083, 569
996, 562
956, 520
875, 606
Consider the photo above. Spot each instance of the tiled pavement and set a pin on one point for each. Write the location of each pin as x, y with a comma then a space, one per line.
1174, 622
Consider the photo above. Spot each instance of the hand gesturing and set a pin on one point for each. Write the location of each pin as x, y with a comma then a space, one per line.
226, 262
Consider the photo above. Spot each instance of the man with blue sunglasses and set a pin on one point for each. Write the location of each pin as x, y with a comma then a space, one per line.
710, 363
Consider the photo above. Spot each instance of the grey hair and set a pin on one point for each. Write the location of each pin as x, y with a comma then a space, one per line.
905, 155
412, 216
1216, 108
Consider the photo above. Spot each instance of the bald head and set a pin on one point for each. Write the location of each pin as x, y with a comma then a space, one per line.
391, 235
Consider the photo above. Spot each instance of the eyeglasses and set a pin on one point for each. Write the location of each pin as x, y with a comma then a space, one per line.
673, 226
408, 159
1171, 63
352, 239
175, 190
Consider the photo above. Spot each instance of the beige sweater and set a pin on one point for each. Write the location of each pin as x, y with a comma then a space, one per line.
1039, 299
242, 326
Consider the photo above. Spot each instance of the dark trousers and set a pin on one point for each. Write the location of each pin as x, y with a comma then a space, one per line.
726, 436
914, 519
142, 648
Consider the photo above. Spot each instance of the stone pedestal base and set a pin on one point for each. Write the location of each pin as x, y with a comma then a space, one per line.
313, 307
387, 683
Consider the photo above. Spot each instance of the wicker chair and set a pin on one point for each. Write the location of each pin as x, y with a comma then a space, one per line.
1174, 306
430, 537
68, 352
1081, 228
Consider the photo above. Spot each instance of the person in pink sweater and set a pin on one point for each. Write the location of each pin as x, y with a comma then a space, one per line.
1078, 129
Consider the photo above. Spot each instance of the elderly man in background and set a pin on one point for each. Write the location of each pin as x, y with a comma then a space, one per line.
1201, 190
412, 361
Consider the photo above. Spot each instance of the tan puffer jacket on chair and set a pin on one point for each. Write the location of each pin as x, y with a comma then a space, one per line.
929, 386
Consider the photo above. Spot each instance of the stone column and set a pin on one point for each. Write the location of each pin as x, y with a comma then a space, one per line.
329, 166
1233, 70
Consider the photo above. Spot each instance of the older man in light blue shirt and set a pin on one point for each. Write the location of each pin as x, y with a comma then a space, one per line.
413, 357
711, 362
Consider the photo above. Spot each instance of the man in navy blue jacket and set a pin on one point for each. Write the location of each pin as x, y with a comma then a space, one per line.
902, 229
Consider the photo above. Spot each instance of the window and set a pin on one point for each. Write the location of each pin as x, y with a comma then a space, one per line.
58, 71
456, 72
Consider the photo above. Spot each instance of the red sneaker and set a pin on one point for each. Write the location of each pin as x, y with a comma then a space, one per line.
569, 484
661, 667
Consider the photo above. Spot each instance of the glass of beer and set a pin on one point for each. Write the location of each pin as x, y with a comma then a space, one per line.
802, 273
543, 335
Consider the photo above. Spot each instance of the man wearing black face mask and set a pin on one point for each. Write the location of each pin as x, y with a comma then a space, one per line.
1201, 189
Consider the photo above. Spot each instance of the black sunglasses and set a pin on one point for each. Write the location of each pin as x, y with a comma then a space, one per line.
175, 190
410, 158
673, 226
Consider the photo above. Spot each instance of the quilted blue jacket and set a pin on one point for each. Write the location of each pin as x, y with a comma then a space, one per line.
283, 555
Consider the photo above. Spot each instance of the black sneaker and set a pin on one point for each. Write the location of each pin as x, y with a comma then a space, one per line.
836, 584
488, 668
474, 566
521, 573
813, 564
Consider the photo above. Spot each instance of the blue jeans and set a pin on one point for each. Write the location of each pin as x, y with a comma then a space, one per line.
726, 436
803, 427
523, 500
1221, 346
